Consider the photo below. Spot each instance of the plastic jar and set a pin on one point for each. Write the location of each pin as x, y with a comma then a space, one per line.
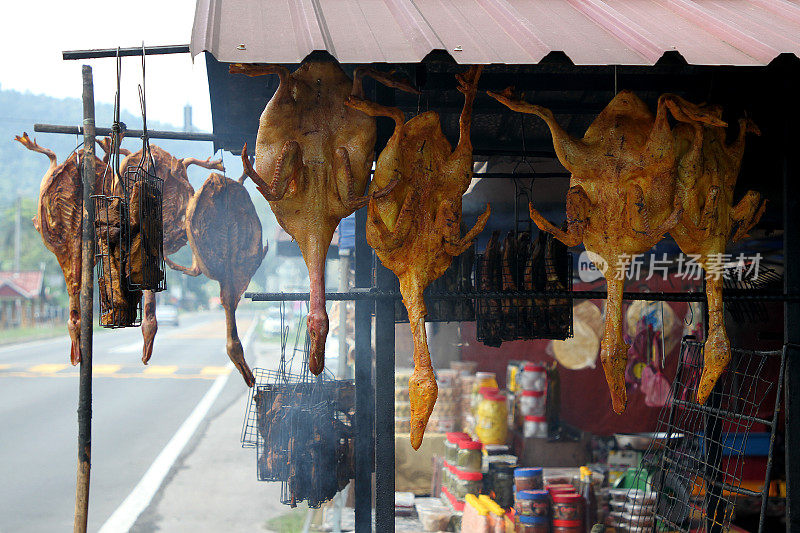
567, 526
532, 503
533, 524
535, 427
528, 479
534, 377
568, 507
531, 403
491, 419
466, 483
469, 455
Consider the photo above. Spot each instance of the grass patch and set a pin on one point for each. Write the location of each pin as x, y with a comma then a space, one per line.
291, 522
32, 333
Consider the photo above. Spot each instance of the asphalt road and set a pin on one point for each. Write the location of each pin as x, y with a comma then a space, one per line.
136, 410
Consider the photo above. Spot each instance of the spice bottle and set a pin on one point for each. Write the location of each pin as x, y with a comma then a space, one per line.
590, 499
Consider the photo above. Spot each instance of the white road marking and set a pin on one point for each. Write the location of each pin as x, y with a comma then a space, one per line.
137, 501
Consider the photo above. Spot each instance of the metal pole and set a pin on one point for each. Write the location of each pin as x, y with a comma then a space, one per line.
87, 293
365, 393
384, 405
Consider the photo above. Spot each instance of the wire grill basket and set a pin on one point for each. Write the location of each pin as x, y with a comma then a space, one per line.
521, 267
692, 473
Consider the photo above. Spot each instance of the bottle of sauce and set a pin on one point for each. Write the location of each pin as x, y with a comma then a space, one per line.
590, 499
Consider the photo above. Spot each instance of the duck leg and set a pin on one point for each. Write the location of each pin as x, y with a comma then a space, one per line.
422, 388
614, 350
578, 208
149, 324
288, 170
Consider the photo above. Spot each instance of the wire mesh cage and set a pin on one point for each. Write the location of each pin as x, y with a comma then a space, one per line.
692, 472
145, 234
521, 265
301, 427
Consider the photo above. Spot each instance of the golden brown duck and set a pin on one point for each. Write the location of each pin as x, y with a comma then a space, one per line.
416, 228
622, 196
312, 161
176, 193
225, 236
709, 221
58, 219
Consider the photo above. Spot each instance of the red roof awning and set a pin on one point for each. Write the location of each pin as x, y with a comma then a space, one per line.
589, 32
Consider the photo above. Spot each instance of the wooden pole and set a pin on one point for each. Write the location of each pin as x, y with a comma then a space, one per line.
87, 294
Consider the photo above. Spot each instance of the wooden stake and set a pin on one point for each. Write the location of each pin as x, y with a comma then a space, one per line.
87, 314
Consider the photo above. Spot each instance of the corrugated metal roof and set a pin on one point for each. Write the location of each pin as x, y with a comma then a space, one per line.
589, 32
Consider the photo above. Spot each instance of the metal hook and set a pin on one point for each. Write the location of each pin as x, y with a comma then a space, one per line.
663, 336
691, 310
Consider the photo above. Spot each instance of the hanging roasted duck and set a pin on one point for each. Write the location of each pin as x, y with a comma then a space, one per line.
710, 220
622, 196
224, 233
415, 228
176, 193
313, 157
58, 219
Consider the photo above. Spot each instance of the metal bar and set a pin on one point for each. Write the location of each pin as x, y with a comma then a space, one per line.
721, 412
791, 325
384, 406
124, 52
774, 427
87, 294
105, 132
378, 294
365, 407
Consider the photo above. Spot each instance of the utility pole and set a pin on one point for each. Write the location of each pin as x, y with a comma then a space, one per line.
17, 230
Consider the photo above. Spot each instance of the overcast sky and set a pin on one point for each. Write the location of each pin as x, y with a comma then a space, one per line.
36, 31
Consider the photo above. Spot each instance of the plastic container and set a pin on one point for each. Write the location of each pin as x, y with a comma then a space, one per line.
535, 427
491, 419
466, 483
532, 503
531, 403
533, 524
469, 456
534, 377
567, 526
528, 479
568, 507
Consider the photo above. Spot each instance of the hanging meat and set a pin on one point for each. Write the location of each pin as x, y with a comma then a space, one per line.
58, 219
415, 228
176, 193
224, 233
710, 220
312, 161
622, 196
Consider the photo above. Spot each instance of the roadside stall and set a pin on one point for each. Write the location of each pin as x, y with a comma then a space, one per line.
551, 203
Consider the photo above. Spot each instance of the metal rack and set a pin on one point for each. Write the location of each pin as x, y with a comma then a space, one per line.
695, 466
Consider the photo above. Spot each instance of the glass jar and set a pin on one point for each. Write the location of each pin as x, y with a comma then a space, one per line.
533, 524
534, 377
502, 484
469, 456
451, 445
568, 507
491, 419
531, 403
535, 427
466, 483
528, 479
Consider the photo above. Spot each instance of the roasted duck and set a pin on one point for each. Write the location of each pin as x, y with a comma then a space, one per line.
312, 161
58, 219
176, 193
710, 220
415, 228
622, 196
224, 233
